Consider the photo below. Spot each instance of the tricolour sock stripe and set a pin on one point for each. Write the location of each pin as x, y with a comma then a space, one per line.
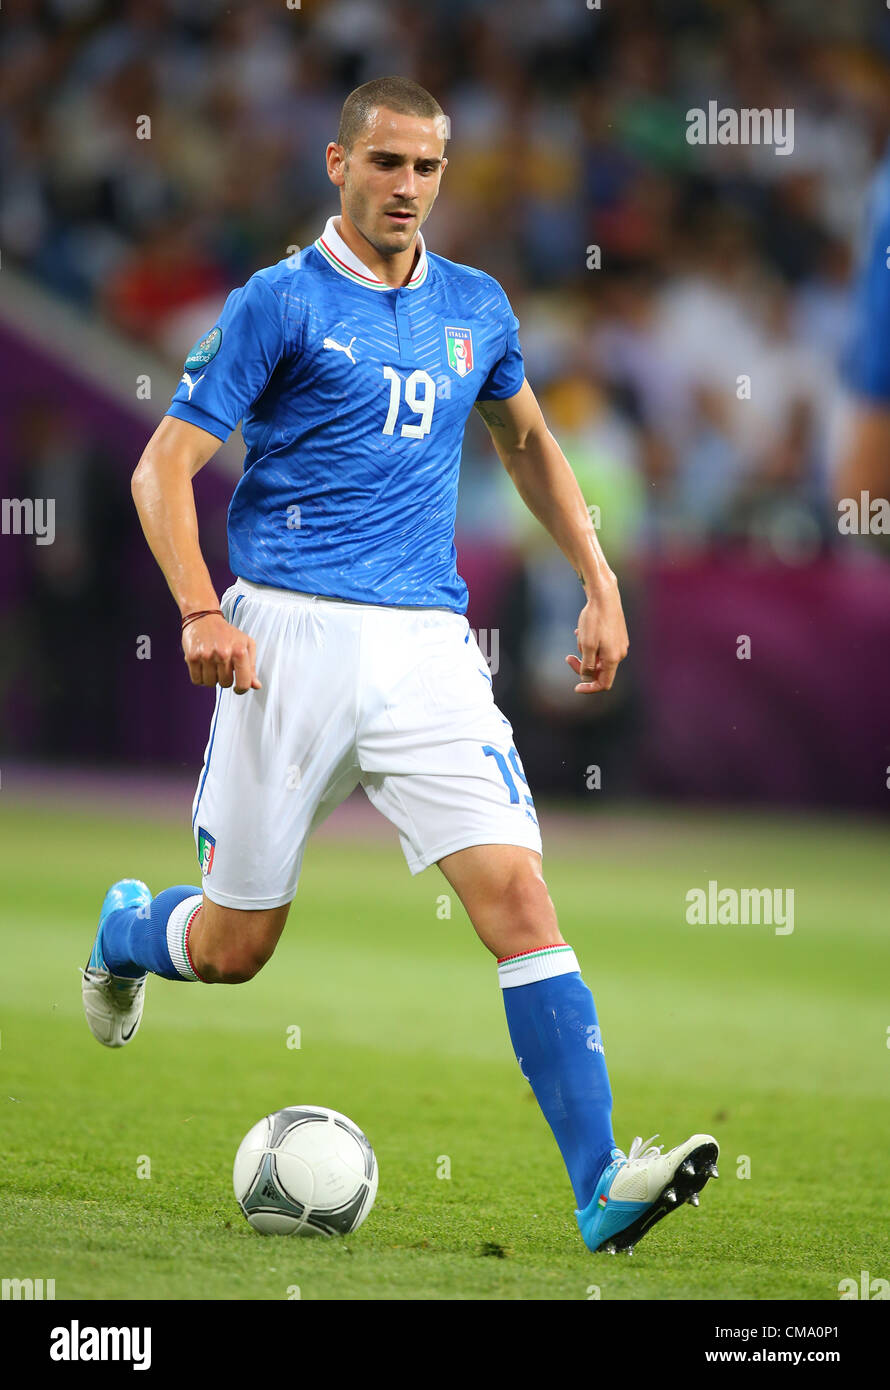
178, 925
185, 942
540, 963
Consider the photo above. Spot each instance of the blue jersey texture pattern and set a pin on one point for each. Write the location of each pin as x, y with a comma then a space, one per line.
353, 399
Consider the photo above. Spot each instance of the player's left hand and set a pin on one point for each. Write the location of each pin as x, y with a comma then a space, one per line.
602, 640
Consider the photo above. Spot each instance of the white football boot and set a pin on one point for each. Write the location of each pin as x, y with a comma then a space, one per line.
639, 1188
113, 1003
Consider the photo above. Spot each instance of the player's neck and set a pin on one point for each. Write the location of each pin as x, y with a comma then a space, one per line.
393, 270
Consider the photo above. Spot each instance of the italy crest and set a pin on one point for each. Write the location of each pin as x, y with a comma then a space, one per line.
460, 350
206, 850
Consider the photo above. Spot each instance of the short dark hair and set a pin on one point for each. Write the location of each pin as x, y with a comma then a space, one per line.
399, 94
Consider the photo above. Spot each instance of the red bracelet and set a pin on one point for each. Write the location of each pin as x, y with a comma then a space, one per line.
205, 613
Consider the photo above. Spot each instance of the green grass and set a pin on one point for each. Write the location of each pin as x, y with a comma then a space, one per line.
776, 1044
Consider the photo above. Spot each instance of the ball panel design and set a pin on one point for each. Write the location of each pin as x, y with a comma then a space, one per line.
267, 1194
297, 1174
273, 1223
305, 1170
283, 1120
369, 1162
249, 1157
342, 1220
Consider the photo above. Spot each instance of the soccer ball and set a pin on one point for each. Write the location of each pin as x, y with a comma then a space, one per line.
305, 1171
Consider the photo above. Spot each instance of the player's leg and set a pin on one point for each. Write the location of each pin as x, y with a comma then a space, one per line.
503, 890
183, 935
179, 935
550, 1010
273, 764
557, 1041
438, 760
229, 945
455, 788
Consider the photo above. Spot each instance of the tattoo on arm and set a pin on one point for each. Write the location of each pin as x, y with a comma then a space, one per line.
491, 418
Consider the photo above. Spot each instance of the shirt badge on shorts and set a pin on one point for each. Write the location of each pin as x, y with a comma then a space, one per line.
459, 342
206, 850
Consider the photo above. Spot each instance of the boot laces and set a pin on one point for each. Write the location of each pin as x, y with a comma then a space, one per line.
644, 1152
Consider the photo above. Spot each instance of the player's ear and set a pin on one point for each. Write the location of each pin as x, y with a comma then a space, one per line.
335, 159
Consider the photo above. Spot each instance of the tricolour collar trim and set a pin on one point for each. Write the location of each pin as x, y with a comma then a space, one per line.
346, 262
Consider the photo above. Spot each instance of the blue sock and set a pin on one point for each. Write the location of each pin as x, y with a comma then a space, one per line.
556, 1038
136, 940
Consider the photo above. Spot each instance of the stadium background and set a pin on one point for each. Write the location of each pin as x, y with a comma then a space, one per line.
719, 514
568, 132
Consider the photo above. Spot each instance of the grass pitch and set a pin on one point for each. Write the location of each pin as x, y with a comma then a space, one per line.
776, 1044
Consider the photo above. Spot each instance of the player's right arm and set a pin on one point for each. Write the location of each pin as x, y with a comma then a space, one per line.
214, 650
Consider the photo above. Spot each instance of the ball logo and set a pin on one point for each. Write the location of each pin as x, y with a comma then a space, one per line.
460, 350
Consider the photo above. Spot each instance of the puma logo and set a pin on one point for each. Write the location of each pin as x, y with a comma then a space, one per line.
339, 347
189, 383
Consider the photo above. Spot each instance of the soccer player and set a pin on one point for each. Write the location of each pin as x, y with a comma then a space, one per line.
341, 654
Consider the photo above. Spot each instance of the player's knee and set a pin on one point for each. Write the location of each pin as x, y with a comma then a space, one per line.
237, 965
522, 916
525, 898
232, 945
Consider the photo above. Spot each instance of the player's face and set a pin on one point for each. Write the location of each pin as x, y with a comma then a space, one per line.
391, 176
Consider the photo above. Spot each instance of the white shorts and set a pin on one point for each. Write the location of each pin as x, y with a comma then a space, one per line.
398, 700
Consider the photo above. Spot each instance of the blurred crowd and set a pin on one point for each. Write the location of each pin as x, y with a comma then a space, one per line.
683, 308
652, 277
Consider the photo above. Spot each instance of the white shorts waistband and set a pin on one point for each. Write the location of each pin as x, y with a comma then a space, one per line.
297, 597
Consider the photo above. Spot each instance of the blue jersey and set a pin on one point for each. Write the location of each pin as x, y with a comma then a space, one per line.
867, 364
353, 398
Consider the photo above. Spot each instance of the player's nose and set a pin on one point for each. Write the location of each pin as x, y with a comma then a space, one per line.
406, 183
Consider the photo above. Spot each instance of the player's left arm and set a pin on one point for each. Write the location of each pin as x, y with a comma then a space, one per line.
544, 480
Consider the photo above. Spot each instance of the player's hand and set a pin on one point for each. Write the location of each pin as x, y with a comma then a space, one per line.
218, 654
602, 640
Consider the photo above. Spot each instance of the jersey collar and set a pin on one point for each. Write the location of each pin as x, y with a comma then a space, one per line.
346, 262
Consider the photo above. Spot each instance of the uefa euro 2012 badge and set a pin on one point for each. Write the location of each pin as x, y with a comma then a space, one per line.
204, 351
206, 851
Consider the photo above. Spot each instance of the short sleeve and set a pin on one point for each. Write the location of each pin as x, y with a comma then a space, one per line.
229, 368
866, 365
508, 373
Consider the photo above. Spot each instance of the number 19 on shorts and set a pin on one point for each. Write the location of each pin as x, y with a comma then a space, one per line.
504, 766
